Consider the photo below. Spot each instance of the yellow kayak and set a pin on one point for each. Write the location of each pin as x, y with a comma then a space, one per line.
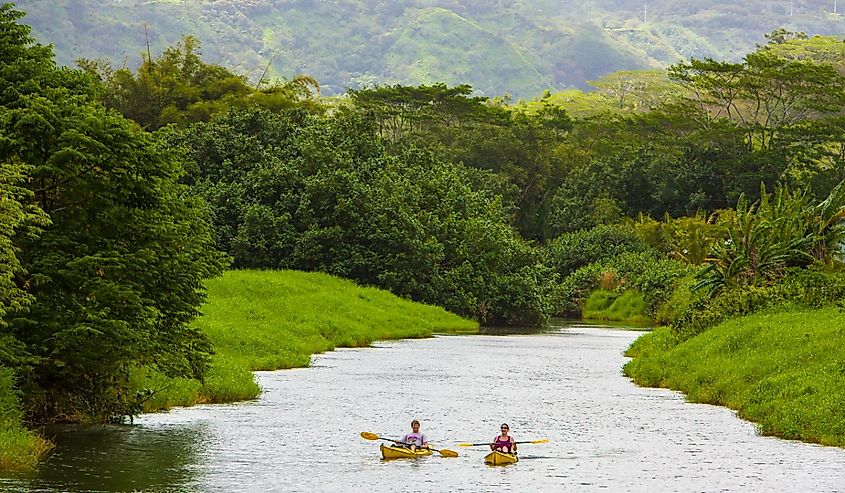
389, 452
499, 458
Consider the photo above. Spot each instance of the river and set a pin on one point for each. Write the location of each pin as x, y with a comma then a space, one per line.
302, 434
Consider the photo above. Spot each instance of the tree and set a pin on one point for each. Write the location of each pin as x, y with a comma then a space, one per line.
116, 276
325, 194
765, 94
405, 111
178, 87
636, 90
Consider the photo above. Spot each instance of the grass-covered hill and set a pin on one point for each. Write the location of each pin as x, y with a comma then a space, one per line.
269, 320
498, 46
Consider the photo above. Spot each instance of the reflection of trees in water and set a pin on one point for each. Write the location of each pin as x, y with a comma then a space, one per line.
124, 458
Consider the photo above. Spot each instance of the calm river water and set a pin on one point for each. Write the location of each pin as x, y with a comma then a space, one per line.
605, 433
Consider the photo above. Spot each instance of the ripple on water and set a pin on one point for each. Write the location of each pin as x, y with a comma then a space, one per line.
565, 385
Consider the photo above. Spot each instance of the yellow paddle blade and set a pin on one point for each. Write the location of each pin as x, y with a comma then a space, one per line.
366, 435
465, 444
448, 453
542, 440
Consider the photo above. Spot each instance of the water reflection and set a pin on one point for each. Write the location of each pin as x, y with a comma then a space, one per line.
118, 458
561, 325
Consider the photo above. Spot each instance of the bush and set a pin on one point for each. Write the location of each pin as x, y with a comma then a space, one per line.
570, 294
19, 447
677, 303
799, 288
629, 307
647, 272
571, 251
651, 273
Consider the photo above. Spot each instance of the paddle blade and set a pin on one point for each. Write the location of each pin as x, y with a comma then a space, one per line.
543, 440
466, 444
448, 453
366, 435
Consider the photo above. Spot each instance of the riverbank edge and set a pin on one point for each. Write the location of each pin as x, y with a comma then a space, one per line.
20, 448
780, 369
244, 319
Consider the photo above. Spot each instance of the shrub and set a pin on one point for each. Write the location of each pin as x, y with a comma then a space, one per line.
571, 251
799, 287
19, 447
571, 293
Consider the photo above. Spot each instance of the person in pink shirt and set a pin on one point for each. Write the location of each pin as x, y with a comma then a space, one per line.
415, 439
504, 442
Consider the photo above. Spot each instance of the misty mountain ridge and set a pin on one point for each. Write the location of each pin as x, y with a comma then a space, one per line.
497, 46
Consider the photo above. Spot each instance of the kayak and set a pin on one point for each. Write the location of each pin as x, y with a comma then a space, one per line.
390, 452
499, 458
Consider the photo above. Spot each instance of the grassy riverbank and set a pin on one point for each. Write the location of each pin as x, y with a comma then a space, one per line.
783, 371
19, 447
267, 320
610, 306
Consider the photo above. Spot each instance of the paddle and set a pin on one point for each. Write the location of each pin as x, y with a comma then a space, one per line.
542, 440
366, 435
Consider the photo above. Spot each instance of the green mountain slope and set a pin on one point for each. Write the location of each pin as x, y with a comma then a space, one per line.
437, 44
516, 46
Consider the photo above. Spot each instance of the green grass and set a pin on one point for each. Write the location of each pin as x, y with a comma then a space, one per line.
19, 448
607, 305
269, 320
783, 371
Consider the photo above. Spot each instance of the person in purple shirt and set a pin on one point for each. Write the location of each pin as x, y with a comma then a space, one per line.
415, 439
504, 442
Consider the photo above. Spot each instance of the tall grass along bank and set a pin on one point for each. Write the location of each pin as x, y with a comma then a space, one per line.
268, 320
19, 448
781, 370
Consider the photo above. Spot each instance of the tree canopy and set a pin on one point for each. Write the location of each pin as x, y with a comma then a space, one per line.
114, 272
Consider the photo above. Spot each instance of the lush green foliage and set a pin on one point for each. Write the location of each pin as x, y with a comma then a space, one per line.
571, 251
612, 258
628, 307
517, 47
688, 239
643, 283
116, 276
520, 147
179, 88
243, 320
19, 447
322, 193
781, 370
784, 230
801, 288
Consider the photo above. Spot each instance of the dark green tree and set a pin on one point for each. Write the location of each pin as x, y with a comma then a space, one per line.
324, 193
179, 87
117, 276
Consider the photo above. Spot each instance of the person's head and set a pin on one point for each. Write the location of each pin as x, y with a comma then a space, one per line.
505, 428
415, 425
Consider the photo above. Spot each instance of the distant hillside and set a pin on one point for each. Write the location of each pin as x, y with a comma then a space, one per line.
516, 46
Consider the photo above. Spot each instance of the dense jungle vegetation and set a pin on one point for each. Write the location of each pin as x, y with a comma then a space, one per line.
708, 191
503, 46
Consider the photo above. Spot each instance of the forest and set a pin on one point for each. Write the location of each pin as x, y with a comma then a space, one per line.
685, 197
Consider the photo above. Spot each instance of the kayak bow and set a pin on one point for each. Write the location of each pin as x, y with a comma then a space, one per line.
388, 452
497, 458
